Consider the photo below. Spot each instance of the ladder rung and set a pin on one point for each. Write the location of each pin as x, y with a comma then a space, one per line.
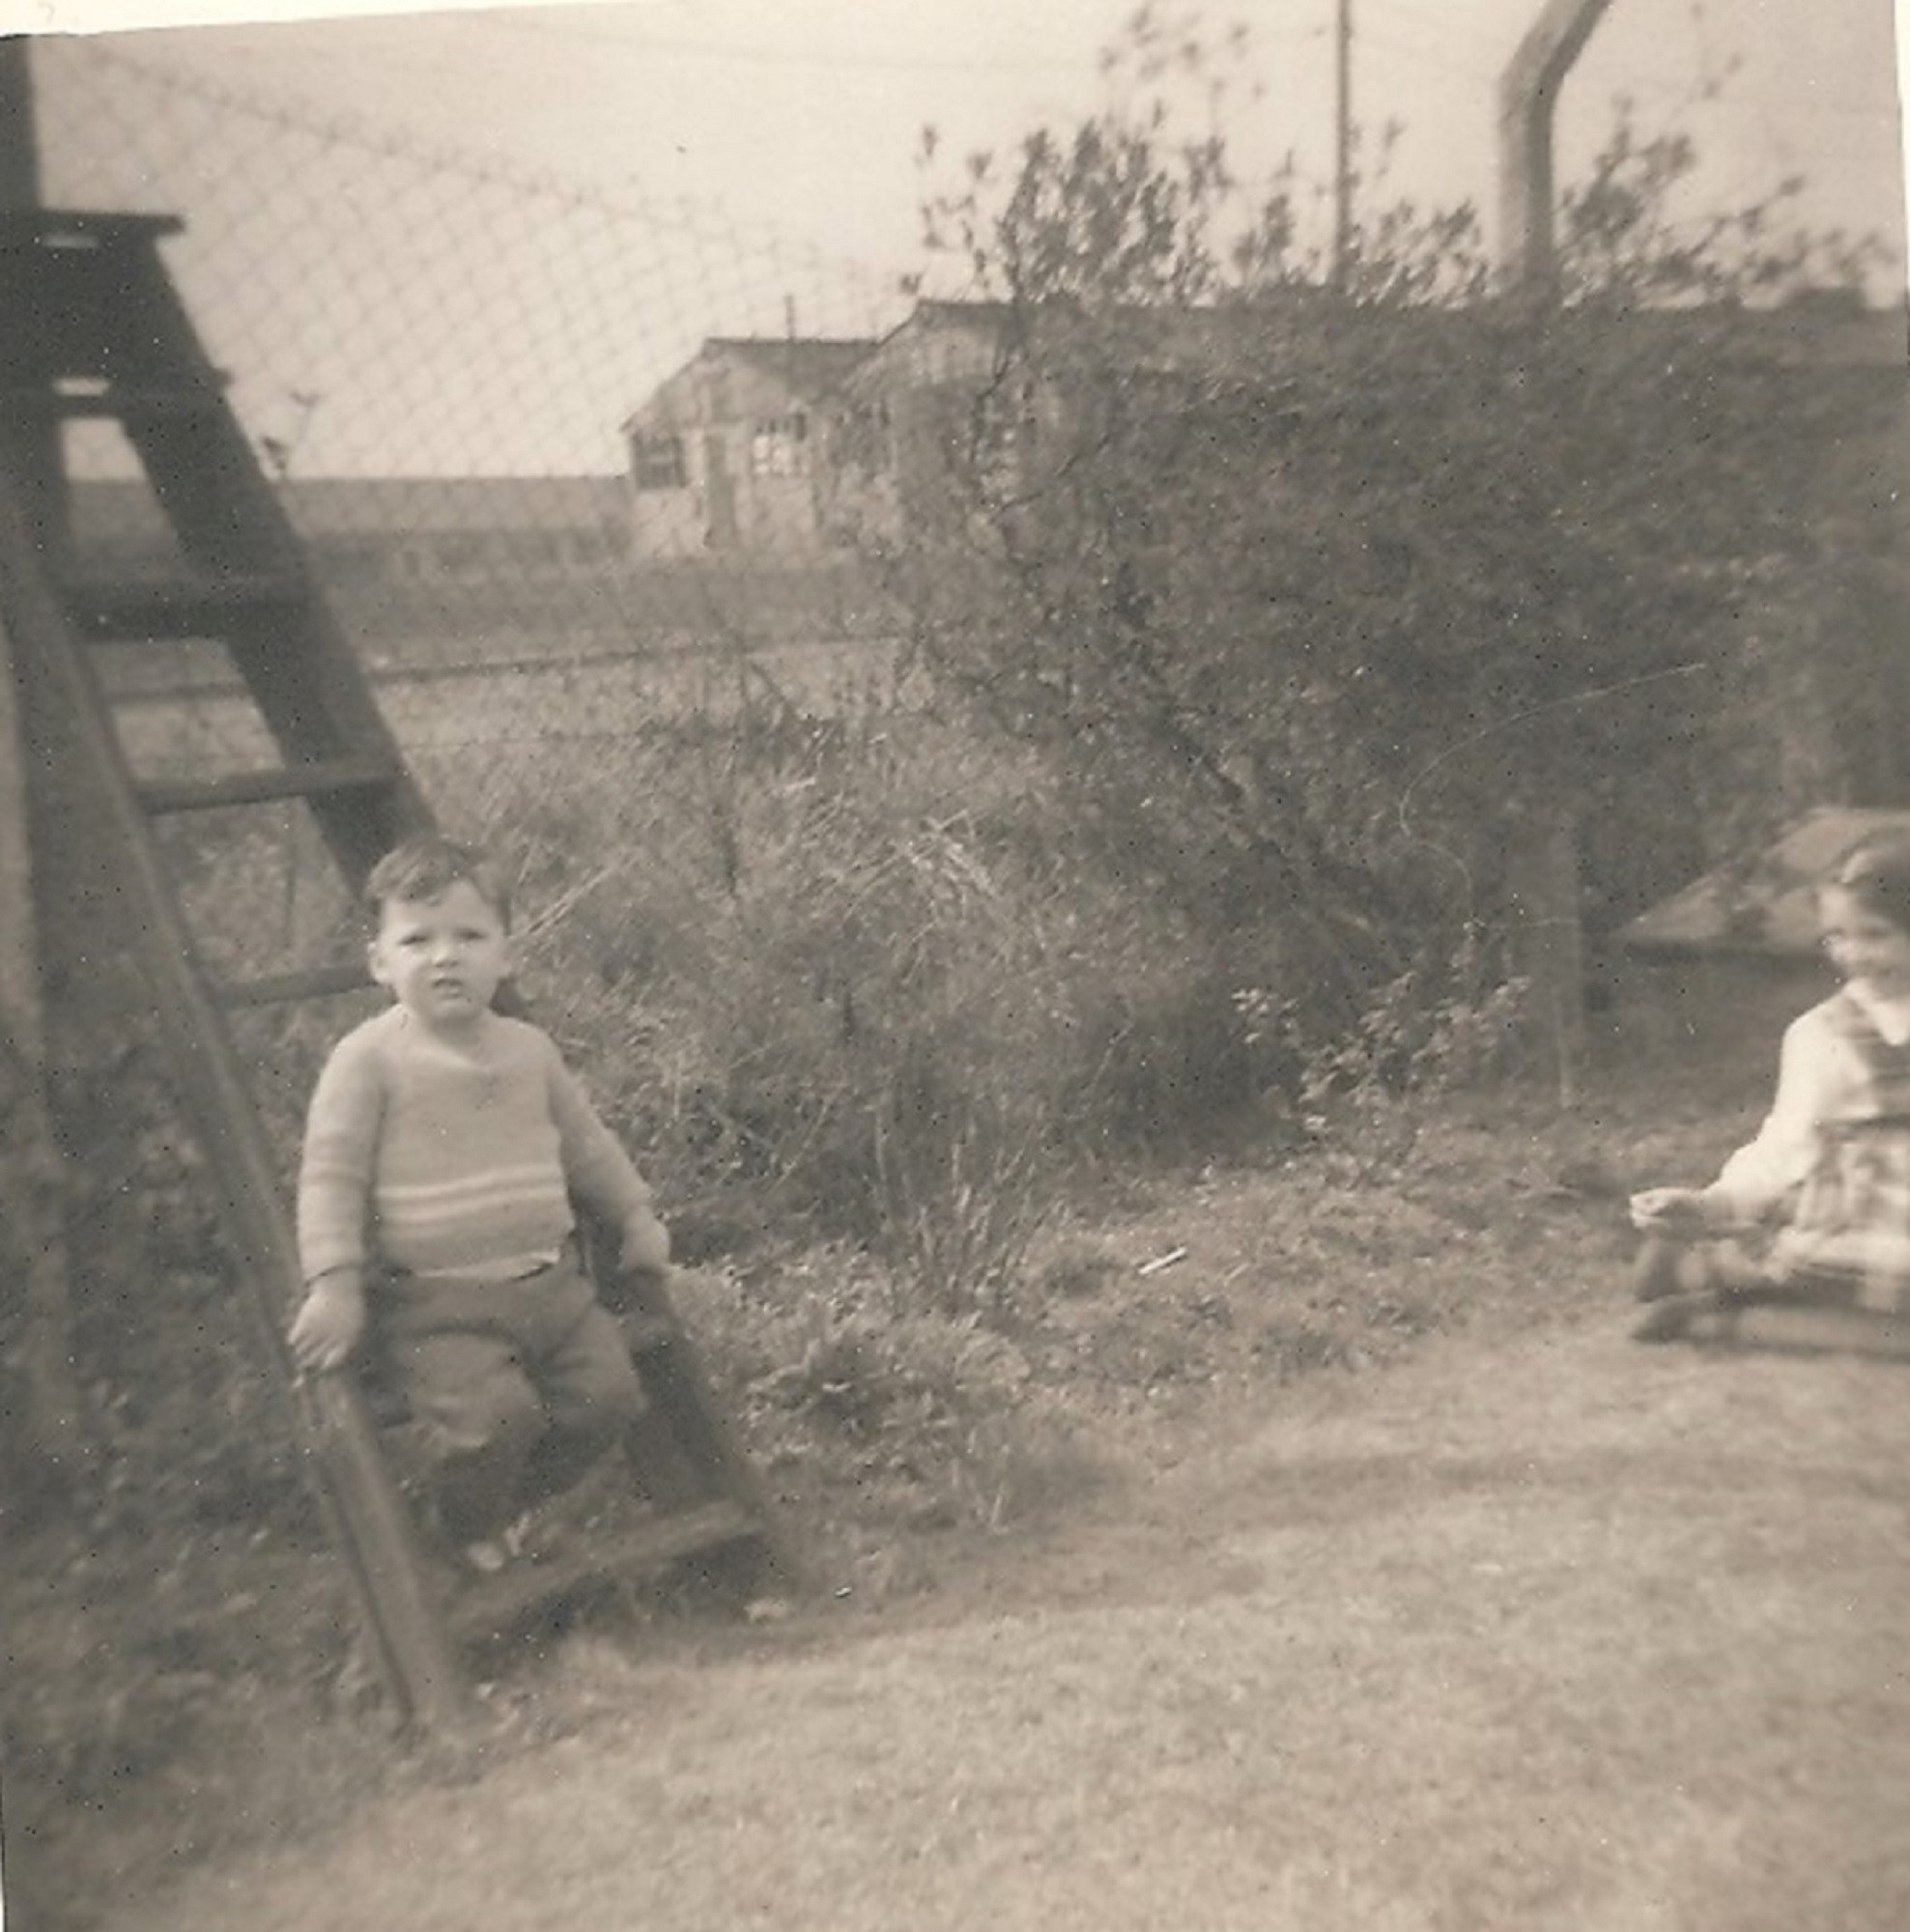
85, 397
317, 779
79, 227
494, 1606
172, 608
315, 983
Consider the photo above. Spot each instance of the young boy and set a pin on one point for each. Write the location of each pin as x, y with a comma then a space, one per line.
442, 1148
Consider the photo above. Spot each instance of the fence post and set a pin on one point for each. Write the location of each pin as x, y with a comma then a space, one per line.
1527, 93
1549, 935
1545, 860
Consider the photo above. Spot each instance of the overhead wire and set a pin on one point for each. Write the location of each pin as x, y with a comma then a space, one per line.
761, 54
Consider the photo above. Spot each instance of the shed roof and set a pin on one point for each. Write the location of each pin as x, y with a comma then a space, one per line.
806, 369
809, 366
1818, 329
1138, 336
1764, 905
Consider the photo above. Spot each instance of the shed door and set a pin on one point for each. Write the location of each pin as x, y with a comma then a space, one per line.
720, 493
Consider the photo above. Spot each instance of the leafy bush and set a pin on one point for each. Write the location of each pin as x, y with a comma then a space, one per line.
1318, 594
1424, 1035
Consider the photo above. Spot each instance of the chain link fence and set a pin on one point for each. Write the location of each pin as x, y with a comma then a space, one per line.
570, 464
553, 452
440, 360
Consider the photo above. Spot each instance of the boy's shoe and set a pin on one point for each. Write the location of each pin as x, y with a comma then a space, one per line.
489, 1554
588, 1508
485, 1556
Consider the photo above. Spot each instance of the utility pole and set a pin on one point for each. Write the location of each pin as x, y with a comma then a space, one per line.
1342, 143
1527, 93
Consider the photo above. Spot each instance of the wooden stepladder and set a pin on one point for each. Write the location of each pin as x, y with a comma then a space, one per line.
92, 327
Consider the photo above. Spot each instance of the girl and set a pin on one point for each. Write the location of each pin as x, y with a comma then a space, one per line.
1832, 1162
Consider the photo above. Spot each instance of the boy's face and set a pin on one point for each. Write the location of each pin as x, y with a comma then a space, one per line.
443, 958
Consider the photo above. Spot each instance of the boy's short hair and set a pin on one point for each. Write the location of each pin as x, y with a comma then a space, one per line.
1876, 872
428, 866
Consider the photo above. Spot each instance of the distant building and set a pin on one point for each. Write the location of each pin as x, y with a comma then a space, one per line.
457, 530
803, 451
402, 530
903, 414
945, 399
1764, 904
1731, 960
967, 392
724, 456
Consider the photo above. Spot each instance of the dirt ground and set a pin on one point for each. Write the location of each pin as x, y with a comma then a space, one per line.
1537, 1630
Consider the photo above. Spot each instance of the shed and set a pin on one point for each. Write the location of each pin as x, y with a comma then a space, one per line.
1719, 967
1763, 906
722, 453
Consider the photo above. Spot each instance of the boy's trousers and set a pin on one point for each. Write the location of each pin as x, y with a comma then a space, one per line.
514, 1388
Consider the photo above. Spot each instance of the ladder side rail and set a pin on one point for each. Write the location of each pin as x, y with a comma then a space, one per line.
311, 689
122, 334
263, 536
62, 705
676, 1383
32, 452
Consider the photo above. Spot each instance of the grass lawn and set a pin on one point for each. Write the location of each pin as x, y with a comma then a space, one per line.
1547, 1634
1351, 1570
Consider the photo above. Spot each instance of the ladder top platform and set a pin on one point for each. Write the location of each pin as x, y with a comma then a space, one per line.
25, 228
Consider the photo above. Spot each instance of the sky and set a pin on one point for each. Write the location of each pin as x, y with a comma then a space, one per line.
425, 310
686, 97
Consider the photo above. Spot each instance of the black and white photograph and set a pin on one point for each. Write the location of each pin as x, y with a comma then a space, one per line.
955, 966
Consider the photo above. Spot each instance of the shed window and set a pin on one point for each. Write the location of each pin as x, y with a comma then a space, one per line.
656, 462
777, 446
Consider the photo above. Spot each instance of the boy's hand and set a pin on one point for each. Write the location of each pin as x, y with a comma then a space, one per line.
1679, 1212
328, 1326
645, 1246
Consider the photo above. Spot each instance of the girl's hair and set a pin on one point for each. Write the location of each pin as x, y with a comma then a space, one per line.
427, 866
1876, 872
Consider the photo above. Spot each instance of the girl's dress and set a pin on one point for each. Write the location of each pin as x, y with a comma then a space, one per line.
1832, 1157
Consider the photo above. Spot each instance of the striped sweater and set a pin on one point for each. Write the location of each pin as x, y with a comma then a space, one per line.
451, 1158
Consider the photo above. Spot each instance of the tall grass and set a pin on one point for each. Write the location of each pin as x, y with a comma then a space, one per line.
848, 968
858, 978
